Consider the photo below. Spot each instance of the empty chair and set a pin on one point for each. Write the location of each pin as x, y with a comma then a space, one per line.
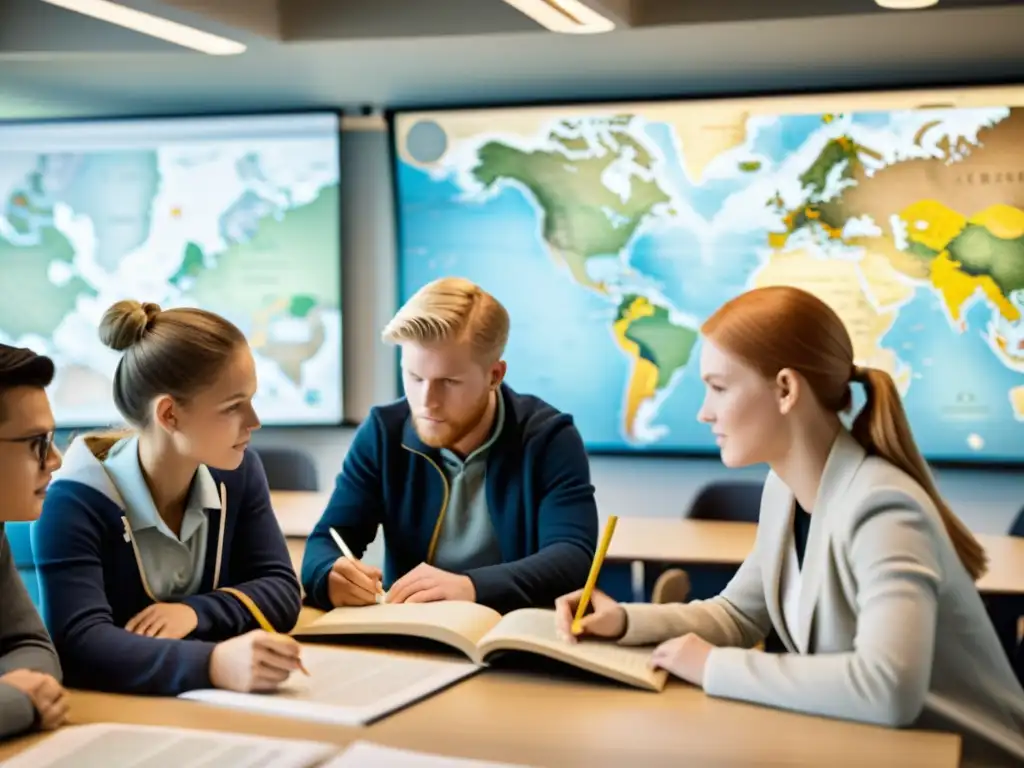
738, 500
20, 541
289, 469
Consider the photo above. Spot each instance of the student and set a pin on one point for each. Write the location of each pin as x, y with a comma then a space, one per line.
484, 494
30, 674
158, 550
859, 565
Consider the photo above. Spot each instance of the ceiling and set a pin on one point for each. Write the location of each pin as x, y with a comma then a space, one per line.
393, 53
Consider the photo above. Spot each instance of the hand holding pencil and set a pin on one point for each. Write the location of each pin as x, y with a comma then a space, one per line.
351, 582
607, 619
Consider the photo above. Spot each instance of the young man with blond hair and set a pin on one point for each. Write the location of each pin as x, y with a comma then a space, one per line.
484, 494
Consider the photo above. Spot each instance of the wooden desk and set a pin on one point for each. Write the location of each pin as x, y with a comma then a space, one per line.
539, 721
673, 541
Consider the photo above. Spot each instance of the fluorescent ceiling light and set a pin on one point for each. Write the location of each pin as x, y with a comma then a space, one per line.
154, 26
567, 16
906, 5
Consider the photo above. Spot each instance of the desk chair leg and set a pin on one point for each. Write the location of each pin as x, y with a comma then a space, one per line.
672, 586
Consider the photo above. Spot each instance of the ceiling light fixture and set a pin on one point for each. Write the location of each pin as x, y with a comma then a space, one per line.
566, 16
906, 5
154, 26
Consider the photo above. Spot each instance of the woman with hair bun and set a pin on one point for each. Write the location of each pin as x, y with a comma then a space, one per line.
859, 565
161, 563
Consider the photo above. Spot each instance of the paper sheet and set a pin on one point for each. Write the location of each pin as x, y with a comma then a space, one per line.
142, 746
363, 754
347, 687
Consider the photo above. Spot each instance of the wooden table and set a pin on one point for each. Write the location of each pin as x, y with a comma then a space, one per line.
673, 541
541, 721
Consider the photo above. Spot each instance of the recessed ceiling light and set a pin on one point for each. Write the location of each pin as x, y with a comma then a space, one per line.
154, 26
566, 16
906, 5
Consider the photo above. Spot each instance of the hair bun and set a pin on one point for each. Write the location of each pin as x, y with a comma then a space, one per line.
125, 323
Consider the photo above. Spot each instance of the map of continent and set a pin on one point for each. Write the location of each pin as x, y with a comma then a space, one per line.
181, 214
612, 231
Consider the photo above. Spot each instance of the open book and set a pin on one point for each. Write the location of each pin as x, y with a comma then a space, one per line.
479, 632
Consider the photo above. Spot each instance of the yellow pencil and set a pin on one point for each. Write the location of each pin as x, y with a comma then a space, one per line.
261, 619
595, 569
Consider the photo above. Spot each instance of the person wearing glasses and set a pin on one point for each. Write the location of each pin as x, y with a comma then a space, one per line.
161, 564
31, 693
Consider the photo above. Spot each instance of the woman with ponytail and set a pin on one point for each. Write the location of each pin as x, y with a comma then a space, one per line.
861, 568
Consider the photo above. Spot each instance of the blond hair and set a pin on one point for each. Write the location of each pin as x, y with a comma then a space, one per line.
452, 309
780, 327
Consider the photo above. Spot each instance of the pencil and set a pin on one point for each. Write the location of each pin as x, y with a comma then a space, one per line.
595, 569
348, 553
257, 614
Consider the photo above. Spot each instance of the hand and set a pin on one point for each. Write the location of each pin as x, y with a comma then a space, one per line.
685, 657
427, 584
255, 661
351, 582
606, 620
48, 697
171, 620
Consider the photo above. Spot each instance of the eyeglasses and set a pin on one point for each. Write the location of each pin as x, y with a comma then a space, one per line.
40, 445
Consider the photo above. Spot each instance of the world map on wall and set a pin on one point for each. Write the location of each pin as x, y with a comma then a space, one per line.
242, 221
611, 232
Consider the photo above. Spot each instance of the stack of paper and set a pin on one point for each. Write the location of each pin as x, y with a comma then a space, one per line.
143, 746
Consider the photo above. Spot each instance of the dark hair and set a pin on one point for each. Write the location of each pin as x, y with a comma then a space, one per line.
174, 352
21, 367
778, 327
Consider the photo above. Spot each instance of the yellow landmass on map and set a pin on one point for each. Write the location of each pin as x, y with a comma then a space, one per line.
1017, 402
904, 262
841, 285
932, 224
956, 287
643, 378
935, 225
709, 137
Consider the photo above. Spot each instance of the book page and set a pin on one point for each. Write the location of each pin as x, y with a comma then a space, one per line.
533, 630
143, 746
363, 754
456, 623
346, 687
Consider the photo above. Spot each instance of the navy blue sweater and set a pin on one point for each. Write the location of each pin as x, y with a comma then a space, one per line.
539, 497
91, 586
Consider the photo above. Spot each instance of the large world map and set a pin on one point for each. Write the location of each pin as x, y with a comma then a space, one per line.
611, 232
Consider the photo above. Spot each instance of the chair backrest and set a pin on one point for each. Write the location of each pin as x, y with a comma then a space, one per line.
20, 541
289, 469
1017, 529
738, 500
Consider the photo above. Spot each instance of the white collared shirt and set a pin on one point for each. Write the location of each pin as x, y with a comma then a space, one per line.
173, 564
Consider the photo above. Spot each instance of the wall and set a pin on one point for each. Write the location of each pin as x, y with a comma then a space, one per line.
987, 500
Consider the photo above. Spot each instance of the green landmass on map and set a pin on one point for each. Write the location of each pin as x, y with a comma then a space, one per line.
836, 151
980, 253
640, 154
287, 256
571, 143
666, 345
582, 217
301, 306
192, 263
27, 270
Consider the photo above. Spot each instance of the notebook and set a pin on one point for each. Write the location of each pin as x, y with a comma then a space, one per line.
106, 745
346, 687
480, 632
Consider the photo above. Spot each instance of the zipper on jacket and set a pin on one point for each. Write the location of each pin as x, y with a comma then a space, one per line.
431, 550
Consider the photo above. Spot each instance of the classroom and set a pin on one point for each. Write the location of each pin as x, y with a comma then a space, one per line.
462, 383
